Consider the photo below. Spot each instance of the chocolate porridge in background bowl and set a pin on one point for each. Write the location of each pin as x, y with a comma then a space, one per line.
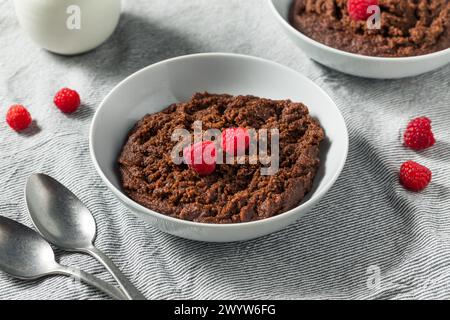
233, 192
408, 27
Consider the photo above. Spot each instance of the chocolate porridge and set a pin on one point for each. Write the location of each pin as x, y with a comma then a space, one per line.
408, 27
233, 192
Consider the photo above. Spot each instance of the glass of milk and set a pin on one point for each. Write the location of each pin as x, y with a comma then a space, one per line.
68, 27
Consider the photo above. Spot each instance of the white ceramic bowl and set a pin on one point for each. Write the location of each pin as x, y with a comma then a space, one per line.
153, 88
355, 64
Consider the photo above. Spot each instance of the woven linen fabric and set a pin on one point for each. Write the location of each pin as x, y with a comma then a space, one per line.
367, 239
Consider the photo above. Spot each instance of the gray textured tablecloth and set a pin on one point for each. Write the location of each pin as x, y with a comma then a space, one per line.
367, 224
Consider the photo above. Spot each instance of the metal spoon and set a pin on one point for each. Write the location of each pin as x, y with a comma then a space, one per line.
24, 254
66, 222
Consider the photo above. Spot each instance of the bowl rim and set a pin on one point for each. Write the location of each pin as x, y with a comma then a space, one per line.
313, 42
131, 203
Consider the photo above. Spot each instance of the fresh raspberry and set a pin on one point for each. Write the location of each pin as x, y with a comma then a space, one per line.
357, 9
235, 141
18, 117
418, 134
201, 157
67, 100
414, 176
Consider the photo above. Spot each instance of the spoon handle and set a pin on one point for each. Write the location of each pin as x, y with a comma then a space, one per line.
127, 287
107, 288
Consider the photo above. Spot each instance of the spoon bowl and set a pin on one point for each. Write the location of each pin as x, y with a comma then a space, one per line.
23, 252
58, 214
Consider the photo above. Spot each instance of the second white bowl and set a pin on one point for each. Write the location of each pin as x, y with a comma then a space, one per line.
356, 64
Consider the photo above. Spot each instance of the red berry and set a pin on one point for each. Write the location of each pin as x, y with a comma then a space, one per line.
18, 117
67, 100
235, 141
357, 9
414, 176
418, 134
201, 157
